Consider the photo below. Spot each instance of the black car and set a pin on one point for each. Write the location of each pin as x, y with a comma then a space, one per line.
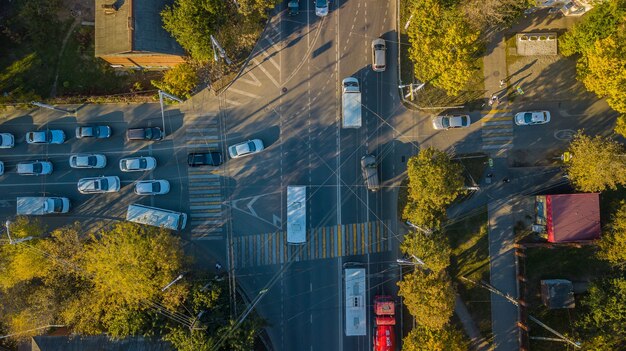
147, 133
212, 158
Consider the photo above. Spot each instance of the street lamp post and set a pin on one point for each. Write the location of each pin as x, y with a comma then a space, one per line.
170, 96
11, 241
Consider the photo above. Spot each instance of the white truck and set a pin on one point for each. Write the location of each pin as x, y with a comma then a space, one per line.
351, 103
296, 214
43, 205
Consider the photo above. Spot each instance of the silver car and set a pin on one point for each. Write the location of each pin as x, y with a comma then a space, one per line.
379, 62
98, 185
321, 8
532, 117
34, 168
7, 141
152, 187
88, 161
137, 164
98, 132
246, 148
52, 136
449, 122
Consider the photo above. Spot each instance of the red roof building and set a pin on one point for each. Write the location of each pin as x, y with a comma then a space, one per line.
569, 217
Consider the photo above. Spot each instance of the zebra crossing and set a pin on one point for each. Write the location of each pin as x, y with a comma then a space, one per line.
204, 183
497, 130
322, 243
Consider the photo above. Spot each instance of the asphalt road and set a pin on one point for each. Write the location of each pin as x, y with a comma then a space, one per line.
289, 97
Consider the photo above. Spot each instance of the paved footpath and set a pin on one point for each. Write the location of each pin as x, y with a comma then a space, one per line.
504, 315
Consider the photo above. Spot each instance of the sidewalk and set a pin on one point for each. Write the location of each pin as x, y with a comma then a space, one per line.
494, 65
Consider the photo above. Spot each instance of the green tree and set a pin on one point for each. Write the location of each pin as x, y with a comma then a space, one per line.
433, 249
442, 45
434, 182
179, 81
192, 22
605, 315
597, 163
429, 298
426, 339
255, 9
613, 242
603, 70
602, 21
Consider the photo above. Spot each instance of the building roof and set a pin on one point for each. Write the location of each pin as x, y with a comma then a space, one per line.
573, 217
97, 343
133, 27
557, 293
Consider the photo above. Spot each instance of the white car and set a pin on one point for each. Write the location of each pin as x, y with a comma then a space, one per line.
98, 185
448, 122
34, 168
52, 136
378, 55
246, 148
7, 141
532, 117
152, 187
321, 8
88, 161
137, 164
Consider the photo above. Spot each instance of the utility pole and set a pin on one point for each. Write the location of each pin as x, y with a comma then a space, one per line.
11, 241
172, 282
172, 97
50, 107
217, 48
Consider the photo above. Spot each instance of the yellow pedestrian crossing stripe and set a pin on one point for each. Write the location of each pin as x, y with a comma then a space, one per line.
322, 243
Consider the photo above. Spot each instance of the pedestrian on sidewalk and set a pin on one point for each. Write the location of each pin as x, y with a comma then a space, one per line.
502, 83
506, 180
218, 266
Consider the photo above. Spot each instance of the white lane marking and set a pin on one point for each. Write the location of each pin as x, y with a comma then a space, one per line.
254, 81
232, 102
271, 60
241, 92
257, 64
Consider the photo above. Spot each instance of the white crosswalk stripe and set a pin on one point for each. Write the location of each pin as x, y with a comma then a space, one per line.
497, 130
204, 183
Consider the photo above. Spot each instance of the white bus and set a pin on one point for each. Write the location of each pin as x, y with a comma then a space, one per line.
355, 290
296, 214
157, 217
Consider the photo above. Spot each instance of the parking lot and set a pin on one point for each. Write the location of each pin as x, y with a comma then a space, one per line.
202, 184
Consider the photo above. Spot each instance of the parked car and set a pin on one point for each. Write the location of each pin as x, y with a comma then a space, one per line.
212, 158
532, 117
146, 133
136, 164
321, 8
7, 141
52, 136
370, 172
98, 185
98, 132
152, 187
451, 121
245, 148
88, 161
1, 168
379, 62
34, 168
293, 7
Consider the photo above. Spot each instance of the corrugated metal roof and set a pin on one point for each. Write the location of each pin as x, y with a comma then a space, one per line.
573, 217
133, 26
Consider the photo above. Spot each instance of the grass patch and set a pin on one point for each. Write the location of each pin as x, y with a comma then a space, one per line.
470, 258
575, 264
